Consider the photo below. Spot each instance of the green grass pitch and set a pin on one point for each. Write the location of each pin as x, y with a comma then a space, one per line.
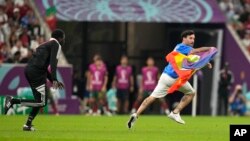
103, 128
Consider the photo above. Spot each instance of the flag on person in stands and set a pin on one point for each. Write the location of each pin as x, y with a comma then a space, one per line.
50, 18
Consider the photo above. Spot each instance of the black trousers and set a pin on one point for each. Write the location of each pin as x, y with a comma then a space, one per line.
37, 81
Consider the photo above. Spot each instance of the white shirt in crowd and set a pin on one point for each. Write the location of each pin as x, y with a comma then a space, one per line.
23, 51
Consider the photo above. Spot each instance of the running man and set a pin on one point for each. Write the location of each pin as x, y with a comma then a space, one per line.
168, 78
36, 73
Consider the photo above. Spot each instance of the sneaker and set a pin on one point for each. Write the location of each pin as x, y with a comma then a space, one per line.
176, 117
167, 112
132, 120
8, 104
133, 110
28, 128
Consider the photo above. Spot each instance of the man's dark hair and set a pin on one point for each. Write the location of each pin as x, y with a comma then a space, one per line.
186, 33
57, 34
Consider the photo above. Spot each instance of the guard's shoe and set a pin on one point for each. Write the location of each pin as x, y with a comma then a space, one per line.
28, 128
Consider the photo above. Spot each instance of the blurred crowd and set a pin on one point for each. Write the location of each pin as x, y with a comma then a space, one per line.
238, 15
20, 31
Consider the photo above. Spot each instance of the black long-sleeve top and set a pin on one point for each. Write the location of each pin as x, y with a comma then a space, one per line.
46, 54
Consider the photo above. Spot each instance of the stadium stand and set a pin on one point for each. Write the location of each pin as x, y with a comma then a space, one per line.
238, 16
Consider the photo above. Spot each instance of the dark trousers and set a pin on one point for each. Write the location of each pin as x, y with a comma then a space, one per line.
37, 82
223, 105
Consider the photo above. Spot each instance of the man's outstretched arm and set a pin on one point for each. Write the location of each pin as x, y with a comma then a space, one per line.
201, 49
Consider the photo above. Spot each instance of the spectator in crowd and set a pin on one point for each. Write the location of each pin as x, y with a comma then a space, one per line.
24, 7
244, 85
237, 102
245, 90
3, 25
246, 40
34, 42
25, 37
247, 24
31, 22
228, 8
37, 40
150, 76
4, 52
9, 7
19, 47
243, 16
50, 17
15, 59
225, 82
27, 58
123, 81
13, 38
16, 16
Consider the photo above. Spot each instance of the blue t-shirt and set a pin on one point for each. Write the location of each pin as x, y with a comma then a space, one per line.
183, 49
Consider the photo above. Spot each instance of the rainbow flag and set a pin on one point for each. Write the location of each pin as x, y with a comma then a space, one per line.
186, 69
